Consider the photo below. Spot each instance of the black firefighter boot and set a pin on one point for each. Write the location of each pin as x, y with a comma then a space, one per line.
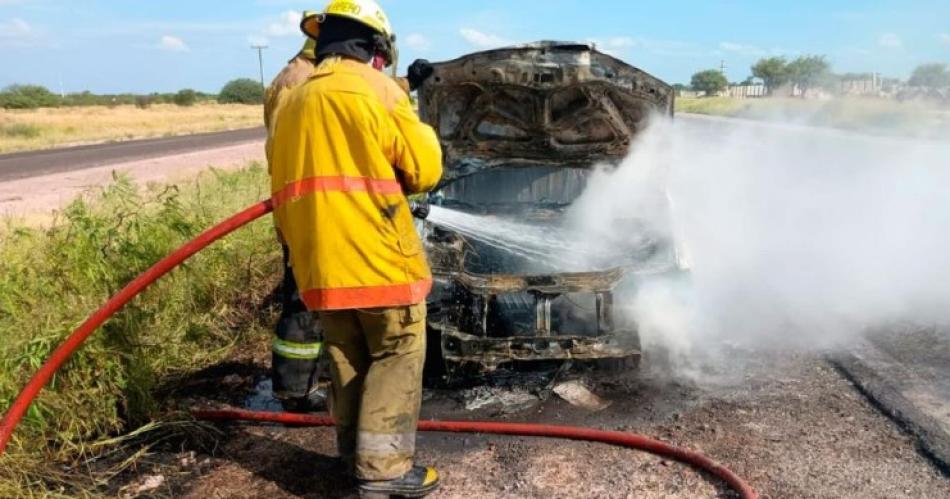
418, 482
296, 363
296, 351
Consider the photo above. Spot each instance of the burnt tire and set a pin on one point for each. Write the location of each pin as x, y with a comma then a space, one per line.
433, 371
617, 366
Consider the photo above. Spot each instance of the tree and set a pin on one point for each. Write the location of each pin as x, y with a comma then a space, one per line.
930, 76
809, 71
773, 71
242, 91
28, 97
186, 97
143, 101
710, 81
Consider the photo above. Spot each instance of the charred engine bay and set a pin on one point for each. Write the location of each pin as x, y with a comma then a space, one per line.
493, 308
546, 102
522, 129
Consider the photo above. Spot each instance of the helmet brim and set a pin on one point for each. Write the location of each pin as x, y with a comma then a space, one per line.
311, 25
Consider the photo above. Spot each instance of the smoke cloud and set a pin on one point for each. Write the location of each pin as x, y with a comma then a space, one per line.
796, 237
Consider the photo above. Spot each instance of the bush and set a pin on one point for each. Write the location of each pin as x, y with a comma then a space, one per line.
87, 98
242, 91
186, 97
51, 279
28, 97
143, 101
930, 76
21, 130
710, 81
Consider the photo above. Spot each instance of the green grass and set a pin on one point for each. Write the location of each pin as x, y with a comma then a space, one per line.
716, 106
869, 115
52, 279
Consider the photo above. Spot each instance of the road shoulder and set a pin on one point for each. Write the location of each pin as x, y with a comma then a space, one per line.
898, 391
34, 199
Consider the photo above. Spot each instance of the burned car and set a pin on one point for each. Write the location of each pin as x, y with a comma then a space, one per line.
522, 129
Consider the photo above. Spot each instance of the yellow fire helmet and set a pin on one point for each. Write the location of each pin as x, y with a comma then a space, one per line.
367, 12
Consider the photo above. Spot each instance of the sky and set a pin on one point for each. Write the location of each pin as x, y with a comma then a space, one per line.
142, 46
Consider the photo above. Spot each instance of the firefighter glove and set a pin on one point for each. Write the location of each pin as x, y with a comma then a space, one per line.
419, 72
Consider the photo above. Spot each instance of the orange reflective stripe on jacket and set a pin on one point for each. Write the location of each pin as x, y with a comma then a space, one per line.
349, 298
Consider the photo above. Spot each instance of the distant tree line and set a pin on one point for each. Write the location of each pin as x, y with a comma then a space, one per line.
809, 72
930, 76
241, 91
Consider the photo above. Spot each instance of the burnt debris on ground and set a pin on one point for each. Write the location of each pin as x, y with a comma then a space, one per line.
790, 424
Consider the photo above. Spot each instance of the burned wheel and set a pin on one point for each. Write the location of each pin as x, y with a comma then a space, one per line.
616, 366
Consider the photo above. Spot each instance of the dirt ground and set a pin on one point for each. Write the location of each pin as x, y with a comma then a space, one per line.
789, 424
33, 199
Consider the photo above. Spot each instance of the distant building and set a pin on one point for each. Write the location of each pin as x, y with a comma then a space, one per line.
746, 91
690, 94
869, 85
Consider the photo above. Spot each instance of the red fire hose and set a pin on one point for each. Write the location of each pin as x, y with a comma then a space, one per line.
59, 357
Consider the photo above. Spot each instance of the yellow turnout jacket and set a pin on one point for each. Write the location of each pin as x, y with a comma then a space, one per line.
346, 151
296, 72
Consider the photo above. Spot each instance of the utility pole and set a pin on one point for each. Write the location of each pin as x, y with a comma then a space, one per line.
260, 60
722, 67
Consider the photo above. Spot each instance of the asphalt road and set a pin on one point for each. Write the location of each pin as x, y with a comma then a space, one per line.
905, 371
37, 163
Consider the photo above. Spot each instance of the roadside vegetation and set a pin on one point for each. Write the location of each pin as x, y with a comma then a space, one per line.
868, 115
26, 130
36, 96
806, 91
52, 278
32, 117
239, 91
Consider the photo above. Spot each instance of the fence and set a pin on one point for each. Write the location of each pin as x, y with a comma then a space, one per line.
745, 91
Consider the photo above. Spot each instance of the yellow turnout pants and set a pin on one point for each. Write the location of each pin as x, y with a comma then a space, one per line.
376, 366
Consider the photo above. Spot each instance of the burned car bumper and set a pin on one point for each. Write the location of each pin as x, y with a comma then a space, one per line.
485, 322
466, 351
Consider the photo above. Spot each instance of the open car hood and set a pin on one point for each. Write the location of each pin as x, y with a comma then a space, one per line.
549, 103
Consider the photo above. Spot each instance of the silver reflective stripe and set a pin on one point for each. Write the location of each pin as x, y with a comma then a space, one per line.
297, 350
402, 444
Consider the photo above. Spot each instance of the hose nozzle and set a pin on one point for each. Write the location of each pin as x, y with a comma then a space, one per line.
420, 207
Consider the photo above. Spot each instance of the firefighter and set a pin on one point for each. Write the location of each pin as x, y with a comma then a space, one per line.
294, 73
297, 343
348, 149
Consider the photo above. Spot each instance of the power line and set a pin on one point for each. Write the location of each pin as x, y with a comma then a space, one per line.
260, 60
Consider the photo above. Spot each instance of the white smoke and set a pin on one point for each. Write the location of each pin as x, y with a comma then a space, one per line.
796, 237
